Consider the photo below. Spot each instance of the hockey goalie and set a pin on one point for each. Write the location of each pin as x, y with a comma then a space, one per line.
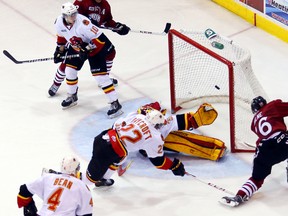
178, 138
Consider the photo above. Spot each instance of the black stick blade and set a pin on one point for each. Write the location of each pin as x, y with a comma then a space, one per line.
6, 53
167, 27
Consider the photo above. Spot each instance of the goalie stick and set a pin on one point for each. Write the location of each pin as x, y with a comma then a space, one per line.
166, 30
210, 184
6, 53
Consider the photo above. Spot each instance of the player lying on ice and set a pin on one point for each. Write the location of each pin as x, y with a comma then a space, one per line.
146, 129
149, 130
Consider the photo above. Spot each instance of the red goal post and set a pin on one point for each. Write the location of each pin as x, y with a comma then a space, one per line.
201, 71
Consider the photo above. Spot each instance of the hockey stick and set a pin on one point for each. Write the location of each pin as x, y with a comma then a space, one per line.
122, 170
6, 53
166, 30
210, 184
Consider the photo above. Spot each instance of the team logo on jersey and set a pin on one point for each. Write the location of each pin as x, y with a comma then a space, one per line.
86, 22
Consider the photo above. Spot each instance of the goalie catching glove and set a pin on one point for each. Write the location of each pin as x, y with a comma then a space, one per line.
205, 115
121, 29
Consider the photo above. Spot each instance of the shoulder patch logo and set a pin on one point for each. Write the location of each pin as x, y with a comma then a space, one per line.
86, 22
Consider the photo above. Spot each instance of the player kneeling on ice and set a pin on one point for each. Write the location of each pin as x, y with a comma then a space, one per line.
141, 130
179, 139
62, 193
272, 146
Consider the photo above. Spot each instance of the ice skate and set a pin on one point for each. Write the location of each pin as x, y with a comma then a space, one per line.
70, 101
104, 182
233, 201
115, 109
53, 89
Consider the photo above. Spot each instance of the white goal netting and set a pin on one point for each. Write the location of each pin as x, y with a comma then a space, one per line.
201, 72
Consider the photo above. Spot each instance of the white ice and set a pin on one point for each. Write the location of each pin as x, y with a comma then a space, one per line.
37, 133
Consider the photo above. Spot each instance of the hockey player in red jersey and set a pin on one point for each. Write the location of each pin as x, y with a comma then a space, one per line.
99, 12
272, 146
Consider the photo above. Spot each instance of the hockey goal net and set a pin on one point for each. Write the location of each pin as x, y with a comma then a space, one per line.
202, 72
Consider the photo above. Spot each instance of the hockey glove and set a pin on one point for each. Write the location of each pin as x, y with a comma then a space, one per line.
30, 209
83, 54
177, 168
121, 29
58, 55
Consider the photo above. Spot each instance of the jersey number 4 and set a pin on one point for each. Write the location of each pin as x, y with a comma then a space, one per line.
54, 200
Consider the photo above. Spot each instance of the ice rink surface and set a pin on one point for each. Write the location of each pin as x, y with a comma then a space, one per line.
37, 133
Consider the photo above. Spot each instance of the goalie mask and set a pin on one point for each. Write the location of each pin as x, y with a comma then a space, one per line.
70, 165
69, 12
257, 103
155, 118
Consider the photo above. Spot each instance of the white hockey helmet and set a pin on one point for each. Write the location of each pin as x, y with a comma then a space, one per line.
69, 9
155, 118
69, 12
70, 165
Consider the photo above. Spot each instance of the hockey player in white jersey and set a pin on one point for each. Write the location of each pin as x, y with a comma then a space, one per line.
132, 133
77, 35
62, 194
141, 130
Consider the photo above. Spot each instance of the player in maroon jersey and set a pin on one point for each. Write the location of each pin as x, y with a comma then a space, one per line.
272, 145
99, 12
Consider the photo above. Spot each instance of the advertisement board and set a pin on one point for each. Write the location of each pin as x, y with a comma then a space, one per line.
278, 10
